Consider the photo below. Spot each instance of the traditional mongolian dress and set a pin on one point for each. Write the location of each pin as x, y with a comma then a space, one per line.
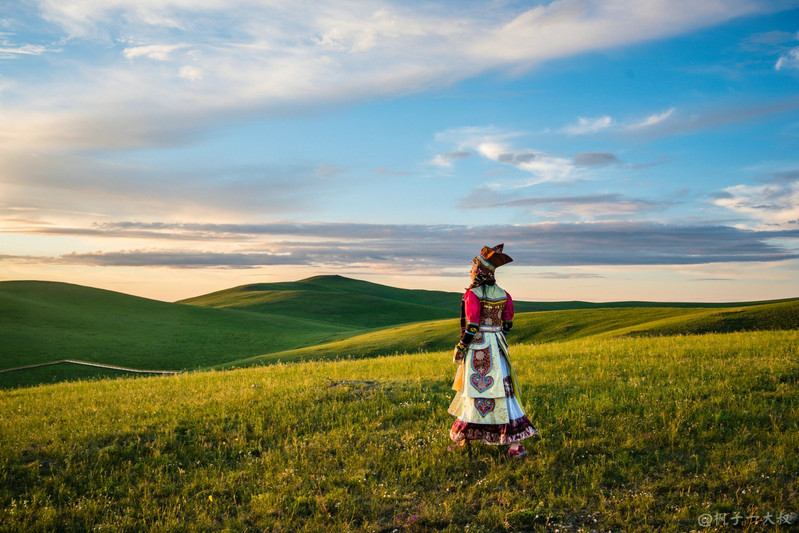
486, 404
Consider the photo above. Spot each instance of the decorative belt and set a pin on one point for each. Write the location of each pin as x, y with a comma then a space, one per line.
485, 327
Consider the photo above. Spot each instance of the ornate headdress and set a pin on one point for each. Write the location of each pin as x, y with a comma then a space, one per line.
487, 262
491, 258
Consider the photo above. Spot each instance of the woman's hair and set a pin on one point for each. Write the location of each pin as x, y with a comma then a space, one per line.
481, 276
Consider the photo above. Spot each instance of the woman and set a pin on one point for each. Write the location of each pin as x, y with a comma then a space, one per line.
486, 404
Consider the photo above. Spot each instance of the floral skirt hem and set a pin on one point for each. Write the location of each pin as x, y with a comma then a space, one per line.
514, 431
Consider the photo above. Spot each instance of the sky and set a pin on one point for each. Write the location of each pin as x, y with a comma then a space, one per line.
621, 149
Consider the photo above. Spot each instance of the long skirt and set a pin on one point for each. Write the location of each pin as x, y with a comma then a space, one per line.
498, 420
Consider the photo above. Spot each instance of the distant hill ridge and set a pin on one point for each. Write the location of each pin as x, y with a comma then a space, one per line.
337, 300
260, 296
325, 316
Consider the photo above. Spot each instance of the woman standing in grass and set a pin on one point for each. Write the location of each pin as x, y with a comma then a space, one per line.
486, 404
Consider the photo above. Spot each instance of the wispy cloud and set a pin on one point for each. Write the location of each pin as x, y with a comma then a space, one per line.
789, 60
671, 122
9, 49
387, 172
446, 159
781, 44
595, 159
271, 57
588, 125
771, 205
87, 184
674, 122
586, 207
159, 52
651, 120
492, 143
767, 41
188, 72
562, 28
568, 275
543, 166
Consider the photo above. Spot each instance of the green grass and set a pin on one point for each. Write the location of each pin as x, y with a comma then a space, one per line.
550, 326
637, 434
336, 300
44, 321
57, 373
321, 317
374, 305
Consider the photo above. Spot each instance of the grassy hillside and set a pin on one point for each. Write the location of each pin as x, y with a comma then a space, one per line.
577, 304
45, 321
361, 303
637, 435
336, 300
552, 326
774, 316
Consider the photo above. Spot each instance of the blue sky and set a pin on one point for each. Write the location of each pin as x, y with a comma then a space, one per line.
621, 149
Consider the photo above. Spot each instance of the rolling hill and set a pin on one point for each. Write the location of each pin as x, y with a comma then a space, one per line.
553, 326
46, 321
320, 317
359, 303
336, 300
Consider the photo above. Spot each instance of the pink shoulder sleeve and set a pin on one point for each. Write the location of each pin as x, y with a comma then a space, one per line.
472, 307
507, 313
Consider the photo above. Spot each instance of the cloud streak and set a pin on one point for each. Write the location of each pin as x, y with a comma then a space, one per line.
94, 185
771, 205
585, 206
789, 60
588, 125
159, 52
651, 120
492, 143
408, 248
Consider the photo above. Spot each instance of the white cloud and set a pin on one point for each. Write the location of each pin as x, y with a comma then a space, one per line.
491, 143
651, 120
25, 49
588, 125
446, 159
188, 72
280, 55
160, 52
12, 50
772, 206
789, 60
567, 27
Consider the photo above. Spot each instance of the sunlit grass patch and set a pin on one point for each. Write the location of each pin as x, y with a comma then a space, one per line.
637, 434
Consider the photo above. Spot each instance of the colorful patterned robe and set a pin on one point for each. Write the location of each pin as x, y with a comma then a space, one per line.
486, 404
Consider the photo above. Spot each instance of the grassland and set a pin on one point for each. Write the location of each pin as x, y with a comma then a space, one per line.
338, 300
354, 302
551, 326
638, 434
321, 317
44, 321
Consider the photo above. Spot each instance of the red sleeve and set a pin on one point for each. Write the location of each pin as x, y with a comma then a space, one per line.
507, 313
472, 307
